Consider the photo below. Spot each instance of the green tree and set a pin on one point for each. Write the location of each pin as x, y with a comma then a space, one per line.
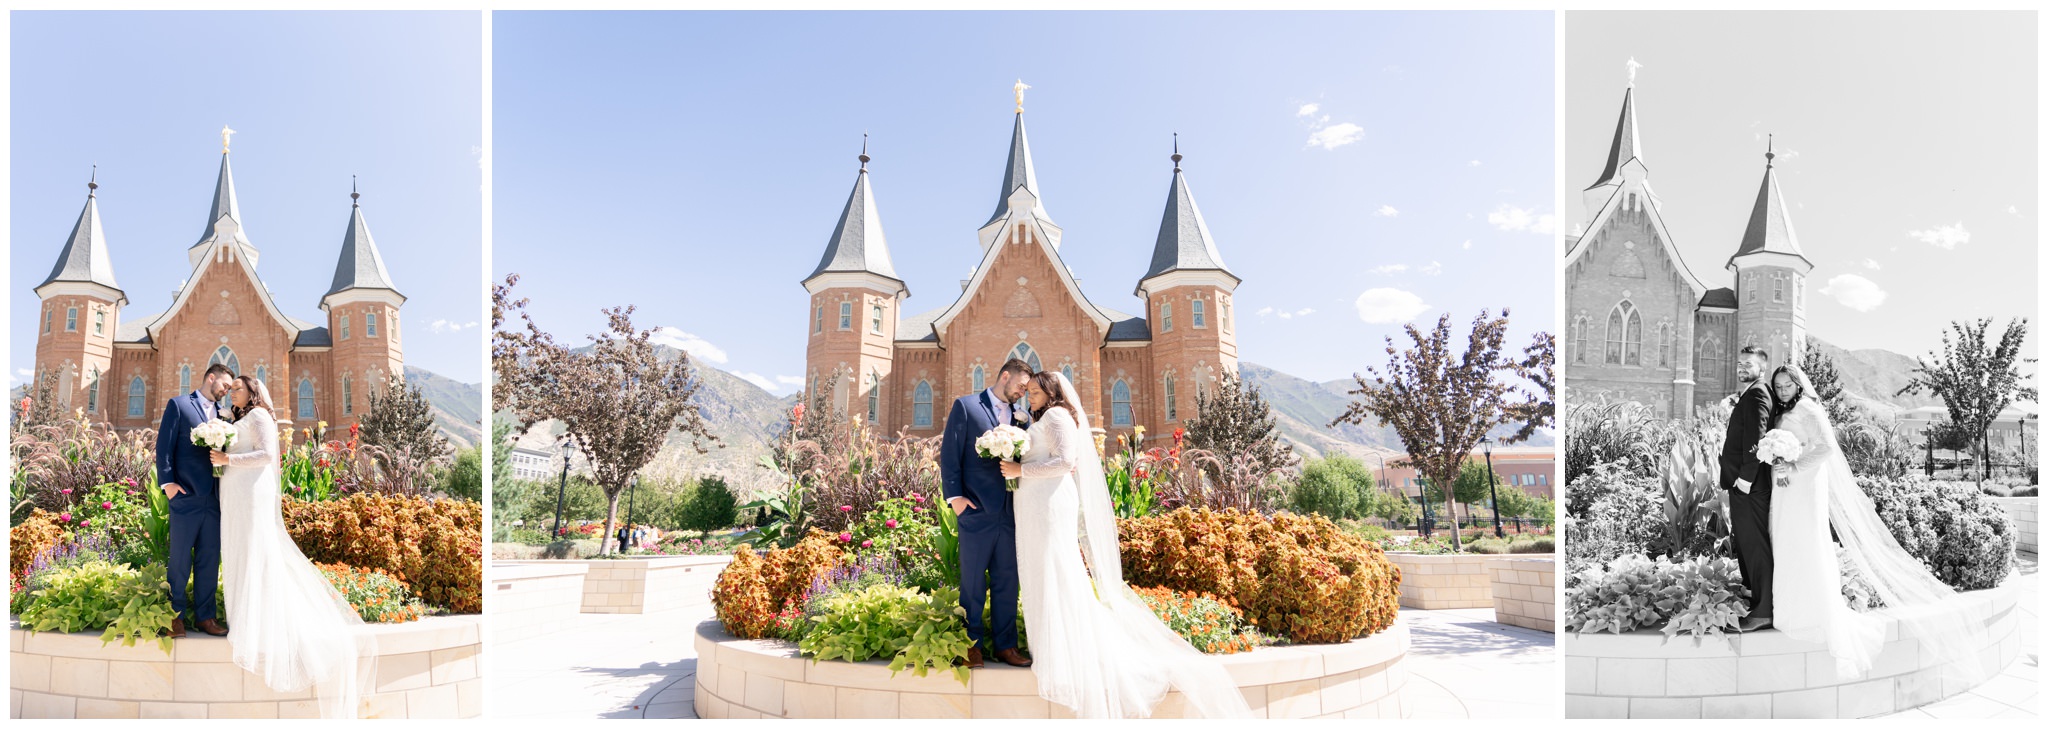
1337, 486
706, 506
1976, 379
1517, 503
1827, 388
1235, 420
464, 478
502, 446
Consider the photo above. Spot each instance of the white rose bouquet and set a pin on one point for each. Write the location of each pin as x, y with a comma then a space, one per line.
1779, 448
1003, 443
215, 435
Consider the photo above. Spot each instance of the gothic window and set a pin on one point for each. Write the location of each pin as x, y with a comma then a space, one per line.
1627, 265
1067, 370
348, 396
874, 397
225, 356
1024, 352
136, 390
1579, 343
306, 399
1166, 316
1120, 404
71, 319
980, 378
92, 391
1200, 313
1664, 344
1172, 412
845, 316
184, 378
818, 324
344, 326
1712, 357
875, 318
263, 375
369, 324
921, 409
1624, 334
99, 323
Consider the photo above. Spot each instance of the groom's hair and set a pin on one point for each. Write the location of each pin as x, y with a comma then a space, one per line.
1760, 352
1015, 367
219, 369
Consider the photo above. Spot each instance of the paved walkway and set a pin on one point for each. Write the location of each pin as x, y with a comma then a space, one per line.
1462, 665
2014, 694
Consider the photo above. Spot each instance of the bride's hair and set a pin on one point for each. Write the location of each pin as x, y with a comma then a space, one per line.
1798, 380
259, 396
1049, 381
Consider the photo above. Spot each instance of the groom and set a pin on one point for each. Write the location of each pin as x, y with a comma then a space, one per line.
1748, 482
976, 492
186, 473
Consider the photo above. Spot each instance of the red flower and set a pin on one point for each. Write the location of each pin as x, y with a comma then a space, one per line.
796, 414
1141, 473
845, 508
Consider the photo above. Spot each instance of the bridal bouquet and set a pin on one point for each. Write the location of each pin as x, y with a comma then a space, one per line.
1779, 448
215, 435
1003, 443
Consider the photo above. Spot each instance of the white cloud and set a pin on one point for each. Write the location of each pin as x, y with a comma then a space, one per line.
1947, 237
1295, 313
1391, 268
1308, 109
1264, 311
2013, 209
1387, 211
1473, 163
1855, 292
1467, 246
23, 375
1389, 306
1511, 218
688, 342
1871, 263
443, 326
1433, 269
1333, 137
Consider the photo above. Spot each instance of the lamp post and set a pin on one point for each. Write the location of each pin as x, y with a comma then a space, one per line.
1428, 517
1493, 489
1383, 472
630, 491
561, 493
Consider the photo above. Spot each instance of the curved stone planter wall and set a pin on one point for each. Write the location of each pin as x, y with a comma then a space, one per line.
2026, 520
759, 679
1445, 581
1767, 675
1525, 593
529, 600
424, 670
642, 584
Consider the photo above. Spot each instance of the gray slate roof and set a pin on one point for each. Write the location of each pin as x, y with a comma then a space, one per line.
919, 328
84, 257
135, 330
1017, 172
1769, 229
857, 244
314, 337
1184, 243
1627, 143
1124, 327
360, 266
224, 203
1721, 298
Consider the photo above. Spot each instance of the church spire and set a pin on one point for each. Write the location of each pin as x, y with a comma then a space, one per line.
225, 216
858, 245
1017, 170
360, 267
1627, 145
84, 258
1184, 243
1770, 228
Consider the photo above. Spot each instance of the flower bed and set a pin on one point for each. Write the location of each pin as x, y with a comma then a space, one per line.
425, 669
756, 679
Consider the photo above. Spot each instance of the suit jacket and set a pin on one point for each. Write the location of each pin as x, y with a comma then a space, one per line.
1746, 425
962, 470
179, 461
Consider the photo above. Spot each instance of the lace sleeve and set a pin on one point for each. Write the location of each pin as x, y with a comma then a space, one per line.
1817, 446
1059, 431
266, 441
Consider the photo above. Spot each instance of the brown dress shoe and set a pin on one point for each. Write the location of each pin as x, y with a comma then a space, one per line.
212, 627
973, 657
177, 628
1013, 657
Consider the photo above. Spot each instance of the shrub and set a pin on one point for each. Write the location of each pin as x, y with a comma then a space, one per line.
376, 596
756, 587
1487, 545
129, 604
1535, 545
1337, 486
1622, 514
1204, 621
1299, 577
1964, 539
1627, 434
433, 545
62, 461
38, 533
707, 506
1701, 596
915, 630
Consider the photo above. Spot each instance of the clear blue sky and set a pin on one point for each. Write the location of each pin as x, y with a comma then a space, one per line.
1907, 147
314, 96
693, 164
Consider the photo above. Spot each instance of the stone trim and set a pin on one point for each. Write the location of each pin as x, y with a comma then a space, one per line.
637, 584
2026, 521
1525, 592
1447, 581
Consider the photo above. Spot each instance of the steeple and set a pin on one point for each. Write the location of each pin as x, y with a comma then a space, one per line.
1018, 174
84, 259
1627, 145
1769, 229
858, 245
225, 216
1184, 243
361, 267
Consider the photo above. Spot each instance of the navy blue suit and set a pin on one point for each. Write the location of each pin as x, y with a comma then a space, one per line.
195, 514
988, 529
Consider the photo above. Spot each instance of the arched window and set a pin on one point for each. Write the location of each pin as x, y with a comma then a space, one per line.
99, 323
1664, 344
306, 399
980, 378
348, 396
921, 408
1024, 352
1712, 355
875, 319
1120, 404
1201, 313
1068, 370
1624, 334
92, 391
225, 356
1579, 344
136, 391
1172, 412
263, 375
1166, 316
874, 397
184, 378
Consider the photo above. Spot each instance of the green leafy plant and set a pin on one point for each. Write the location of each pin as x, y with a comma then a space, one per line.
129, 604
1695, 507
915, 630
1701, 596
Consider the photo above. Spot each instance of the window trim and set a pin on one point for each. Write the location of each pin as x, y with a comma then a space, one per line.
1200, 314
845, 316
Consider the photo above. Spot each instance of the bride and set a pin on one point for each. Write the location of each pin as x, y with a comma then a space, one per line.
1817, 492
1099, 650
290, 627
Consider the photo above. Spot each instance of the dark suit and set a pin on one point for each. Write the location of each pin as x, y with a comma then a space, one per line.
195, 514
1749, 514
988, 529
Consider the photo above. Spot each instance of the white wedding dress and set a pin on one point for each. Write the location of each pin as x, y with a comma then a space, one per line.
287, 625
1097, 648
1822, 496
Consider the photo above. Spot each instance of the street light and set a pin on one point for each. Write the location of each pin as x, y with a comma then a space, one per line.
562, 492
630, 491
1492, 489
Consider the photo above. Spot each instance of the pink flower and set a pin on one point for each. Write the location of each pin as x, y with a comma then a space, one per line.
83, 523
131, 492
845, 508
890, 523
867, 542
64, 518
67, 492
918, 509
845, 537
108, 505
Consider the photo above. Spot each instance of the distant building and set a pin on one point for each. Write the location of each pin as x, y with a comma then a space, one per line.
2010, 431
1529, 468
533, 465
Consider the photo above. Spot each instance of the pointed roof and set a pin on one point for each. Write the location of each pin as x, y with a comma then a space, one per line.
1627, 144
1184, 243
84, 258
224, 203
857, 244
1769, 229
360, 265
1018, 172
